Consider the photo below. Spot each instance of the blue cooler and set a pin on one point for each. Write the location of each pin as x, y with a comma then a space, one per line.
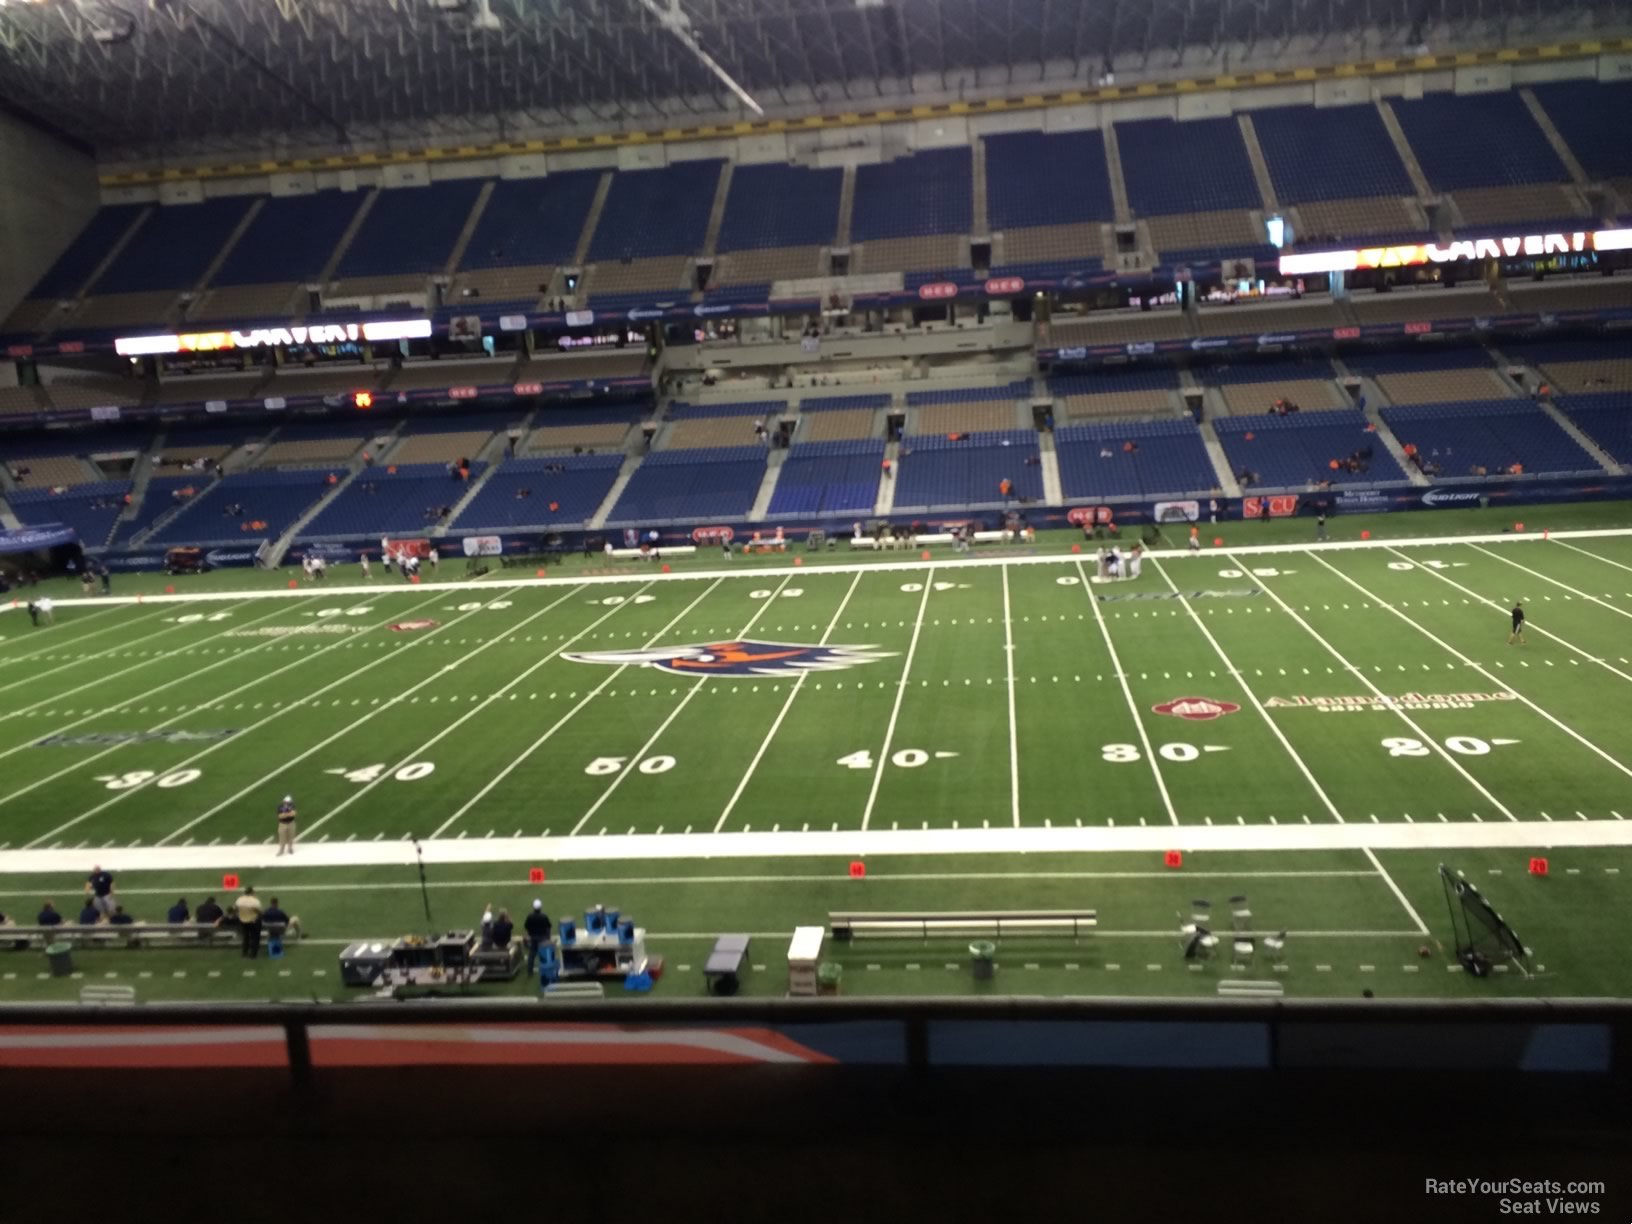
549, 965
568, 932
626, 931
595, 921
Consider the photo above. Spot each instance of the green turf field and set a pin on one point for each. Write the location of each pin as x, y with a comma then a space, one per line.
1315, 728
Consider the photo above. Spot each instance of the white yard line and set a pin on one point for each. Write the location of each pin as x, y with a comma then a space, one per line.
58, 697
849, 567
776, 724
567, 717
395, 700
1127, 695
1585, 552
1241, 681
418, 753
1563, 586
900, 694
847, 844
34, 677
58, 643
1422, 927
1501, 684
1439, 749
1530, 626
1014, 737
384, 657
629, 766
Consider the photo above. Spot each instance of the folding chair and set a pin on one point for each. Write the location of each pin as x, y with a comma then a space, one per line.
1201, 913
1275, 945
1241, 950
1240, 914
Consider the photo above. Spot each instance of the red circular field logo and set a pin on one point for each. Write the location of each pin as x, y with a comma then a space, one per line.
1196, 709
410, 625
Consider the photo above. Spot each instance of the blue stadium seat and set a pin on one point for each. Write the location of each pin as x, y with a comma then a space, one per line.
1291, 451
1478, 140
692, 485
1329, 153
290, 239
829, 478
1606, 418
382, 501
1197, 166
410, 230
1591, 118
936, 472
656, 212
1169, 458
1492, 434
1043, 178
931, 192
519, 493
174, 247
154, 504
74, 266
276, 498
528, 222
90, 509
781, 206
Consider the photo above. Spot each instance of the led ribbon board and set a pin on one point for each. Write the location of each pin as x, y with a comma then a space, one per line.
278, 337
1464, 251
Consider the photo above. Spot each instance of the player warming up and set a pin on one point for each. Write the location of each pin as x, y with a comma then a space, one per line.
1518, 625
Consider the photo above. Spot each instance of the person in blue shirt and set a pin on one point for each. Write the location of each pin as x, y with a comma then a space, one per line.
48, 916
503, 928
120, 918
178, 912
90, 915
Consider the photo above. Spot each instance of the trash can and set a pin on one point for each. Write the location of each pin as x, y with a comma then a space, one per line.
980, 959
61, 958
828, 976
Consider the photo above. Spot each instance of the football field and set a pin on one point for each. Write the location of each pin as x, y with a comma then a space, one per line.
1312, 713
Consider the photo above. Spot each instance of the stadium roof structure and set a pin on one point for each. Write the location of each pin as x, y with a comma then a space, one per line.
142, 79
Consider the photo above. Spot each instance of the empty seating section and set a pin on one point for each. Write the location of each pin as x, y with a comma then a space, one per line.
173, 248
74, 266
1429, 376
764, 267
1329, 153
1487, 206
1592, 119
934, 472
926, 252
563, 430
970, 410
1199, 166
1080, 245
1262, 320
93, 391
931, 192
247, 303
1420, 304
1044, 178
21, 399
90, 508
449, 438
829, 477
1105, 395
1606, 418
440, 375
1478, 140
530, 223
407, 499
1491, 435
1309, 394
410, 230
325, 442
48, 471
835, 426
158, 501
1067, 331
133, 310
781, 206
229, 509
656, 212
1166, 457
1201, 236
1593, 294
690, 485
610, 278
520, 493
206, 388
290, 239
1591, 377
600, 365
180, 459
717, 425
1290, 451
1379, 218
324, 383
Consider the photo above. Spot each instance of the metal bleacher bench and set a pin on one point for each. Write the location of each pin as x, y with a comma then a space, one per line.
133, 935
962, 923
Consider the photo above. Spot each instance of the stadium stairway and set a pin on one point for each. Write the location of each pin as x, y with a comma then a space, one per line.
592, 219
1049, 460
462, 243
141, 476
292, 532
491, 457
8, 520
227, 247
1222, 471
1602, 457
847, 207
886, 487
347, 237
980, 223
441, 529
767, 486
1544, 121
1371, 401
113, 253
598, 519
1408, 155
716, 214
141, 538
1260, 167
1119, 185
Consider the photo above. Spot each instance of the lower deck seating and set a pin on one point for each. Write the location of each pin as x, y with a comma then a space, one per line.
1310, 394
156, 502
1105, 395
1134, 459
90, 509
1487, 437
561, 491
229, 509
829, 478
408, 497
49, 471
935, 471
1290, 451
1606, 418
706, 483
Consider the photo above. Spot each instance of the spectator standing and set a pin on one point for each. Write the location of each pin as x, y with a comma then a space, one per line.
1320, 527
248, 906
99, 888
537, 927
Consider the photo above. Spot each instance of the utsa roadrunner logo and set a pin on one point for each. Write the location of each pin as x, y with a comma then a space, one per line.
739, 658
1196, 709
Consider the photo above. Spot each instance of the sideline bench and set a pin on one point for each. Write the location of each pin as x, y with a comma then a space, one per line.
855, 924
134, 935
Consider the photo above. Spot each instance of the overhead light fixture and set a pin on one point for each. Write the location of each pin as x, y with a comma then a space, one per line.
673, 19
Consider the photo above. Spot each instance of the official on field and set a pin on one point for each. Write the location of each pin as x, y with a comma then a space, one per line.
286, 825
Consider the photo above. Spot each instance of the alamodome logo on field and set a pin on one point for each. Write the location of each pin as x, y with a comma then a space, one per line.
1196, 709
738, 658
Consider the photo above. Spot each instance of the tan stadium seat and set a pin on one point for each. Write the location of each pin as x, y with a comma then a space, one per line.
926, 253
768, 265
1309, 394
1532, 202
664, 274
53, 470
983, 417
440, 447
1326, 220
1121, 327
837, 426
1442, 386
564, 439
